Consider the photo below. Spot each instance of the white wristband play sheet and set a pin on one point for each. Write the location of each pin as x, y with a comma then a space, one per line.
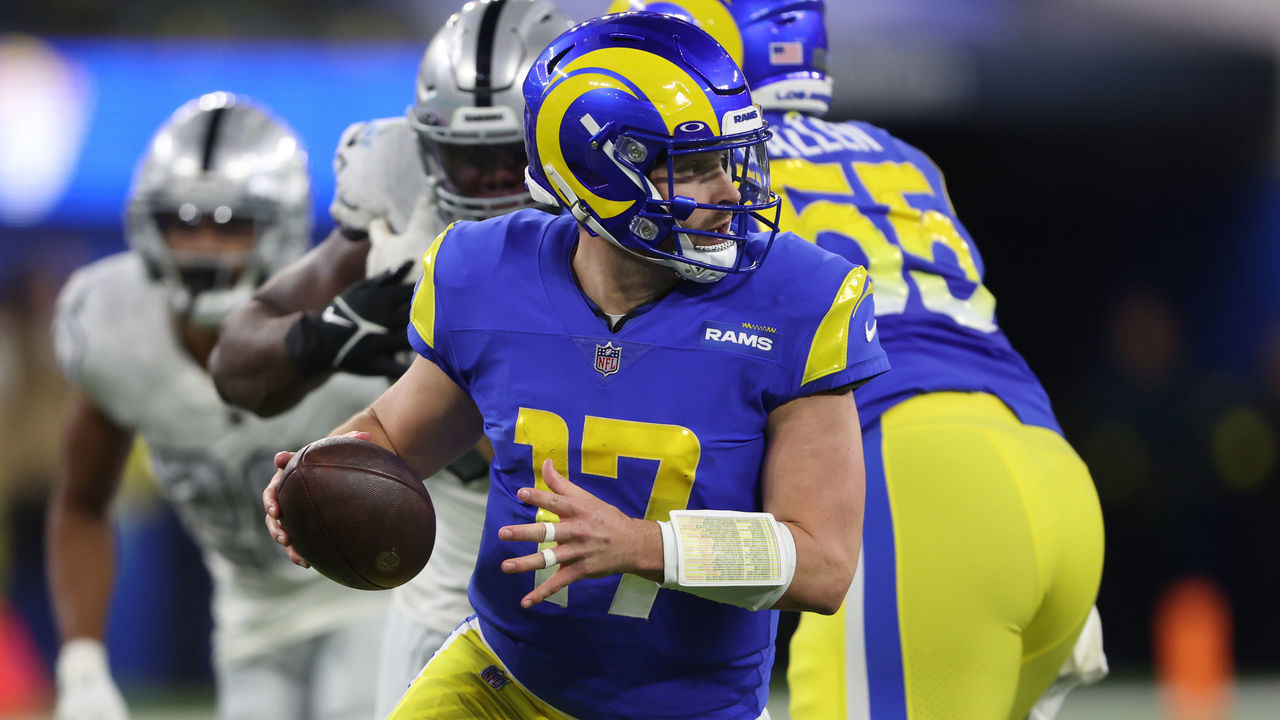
742, 558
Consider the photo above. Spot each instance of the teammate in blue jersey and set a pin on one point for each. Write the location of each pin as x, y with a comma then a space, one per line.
982, 548
676, 445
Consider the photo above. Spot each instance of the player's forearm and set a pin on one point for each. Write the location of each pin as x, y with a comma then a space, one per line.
824, 570
814, 484
81, 562
250, 365
366, 421
79, 549
424, 417
426, 458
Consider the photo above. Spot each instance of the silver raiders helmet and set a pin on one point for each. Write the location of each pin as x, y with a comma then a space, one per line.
224, 159
469, 110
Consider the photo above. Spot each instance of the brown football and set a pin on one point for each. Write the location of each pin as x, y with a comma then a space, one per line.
357, 512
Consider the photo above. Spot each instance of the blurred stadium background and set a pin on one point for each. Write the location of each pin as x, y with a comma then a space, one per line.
1117, 161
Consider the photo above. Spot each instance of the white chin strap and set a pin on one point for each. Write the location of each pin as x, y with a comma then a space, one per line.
724, 254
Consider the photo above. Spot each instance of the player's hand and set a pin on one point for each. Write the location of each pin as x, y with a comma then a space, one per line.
361, 331
594, 538
85, 688
271, 500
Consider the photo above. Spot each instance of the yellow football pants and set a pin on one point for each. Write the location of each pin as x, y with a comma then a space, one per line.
982, 554
465, 680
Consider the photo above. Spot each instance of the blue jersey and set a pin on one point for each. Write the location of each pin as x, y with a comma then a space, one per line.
858, 191
666, 411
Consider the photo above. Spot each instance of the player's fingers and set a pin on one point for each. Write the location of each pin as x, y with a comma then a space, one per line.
558, 483
560, 580
535, 532
398, 274
280, 536
524, 563
559, 555
297, 559
359, 435
558, 504
276, 530
282, 458
269, 496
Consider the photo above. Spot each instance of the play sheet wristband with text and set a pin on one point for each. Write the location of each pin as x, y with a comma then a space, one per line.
719, 547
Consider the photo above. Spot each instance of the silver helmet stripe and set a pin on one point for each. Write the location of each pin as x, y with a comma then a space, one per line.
484, 52
211, 138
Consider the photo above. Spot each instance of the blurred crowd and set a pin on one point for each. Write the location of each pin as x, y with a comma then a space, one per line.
237, 18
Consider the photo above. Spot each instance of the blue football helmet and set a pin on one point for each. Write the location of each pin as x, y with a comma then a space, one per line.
781, 45
613, 97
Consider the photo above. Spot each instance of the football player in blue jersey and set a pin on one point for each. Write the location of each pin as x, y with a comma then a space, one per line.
665, 402
982, 548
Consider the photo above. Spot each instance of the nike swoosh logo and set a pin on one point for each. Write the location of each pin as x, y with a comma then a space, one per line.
331, 316
871, 330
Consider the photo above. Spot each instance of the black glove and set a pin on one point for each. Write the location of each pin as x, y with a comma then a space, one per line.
361, 331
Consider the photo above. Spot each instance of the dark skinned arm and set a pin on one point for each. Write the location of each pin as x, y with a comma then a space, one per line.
81, 552
249, 364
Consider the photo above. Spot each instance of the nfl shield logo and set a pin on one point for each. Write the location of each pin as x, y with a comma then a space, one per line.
608, 359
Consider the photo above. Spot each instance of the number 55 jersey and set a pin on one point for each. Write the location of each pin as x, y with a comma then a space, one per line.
865, 195
982, 543
664, 411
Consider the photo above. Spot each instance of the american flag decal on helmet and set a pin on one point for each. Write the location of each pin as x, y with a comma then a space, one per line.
608, 359
786, 53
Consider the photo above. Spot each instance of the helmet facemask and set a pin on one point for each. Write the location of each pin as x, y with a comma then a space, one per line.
662, 231
702, 250
474, 181
204, 285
